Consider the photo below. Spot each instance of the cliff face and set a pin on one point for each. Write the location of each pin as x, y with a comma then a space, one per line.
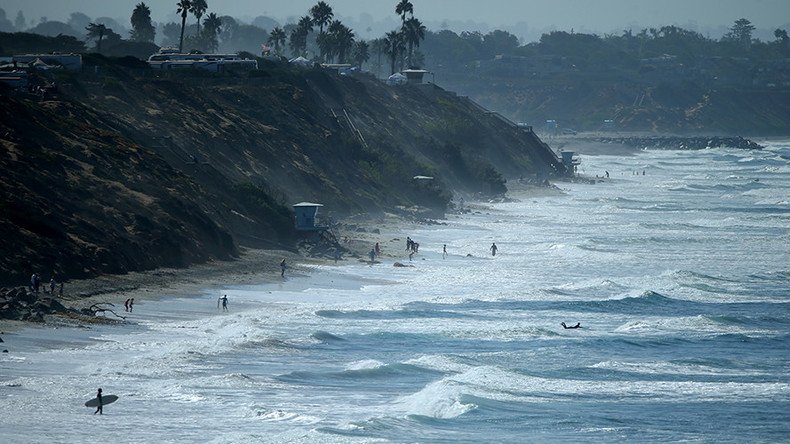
123, 169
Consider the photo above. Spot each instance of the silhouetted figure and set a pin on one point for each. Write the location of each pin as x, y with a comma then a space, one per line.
99, 407
493, 249
578, 325
131, 305
283, 266
126, 304
224, 301
444, 251
35, 282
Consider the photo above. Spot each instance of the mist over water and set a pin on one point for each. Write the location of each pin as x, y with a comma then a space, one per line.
680, 279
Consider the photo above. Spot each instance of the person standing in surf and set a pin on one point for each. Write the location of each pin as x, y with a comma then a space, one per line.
224, 301
493, 249
99, 407
283, 266
444, 251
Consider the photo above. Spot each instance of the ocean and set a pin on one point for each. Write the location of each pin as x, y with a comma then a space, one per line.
680, 279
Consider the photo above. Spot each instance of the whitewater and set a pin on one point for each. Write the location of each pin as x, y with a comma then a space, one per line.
680, 279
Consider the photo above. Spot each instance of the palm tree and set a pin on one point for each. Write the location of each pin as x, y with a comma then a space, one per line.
197, 9
341, 40
361, 53
305, 24
298, 42
322, 14
142, 29
96, 32
402, 8
413, 32
277, 38
325, 46
394, 47
183, 9
379, 47
211, 29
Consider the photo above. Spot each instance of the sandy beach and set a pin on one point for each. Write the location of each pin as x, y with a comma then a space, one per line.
253, 266
357, 234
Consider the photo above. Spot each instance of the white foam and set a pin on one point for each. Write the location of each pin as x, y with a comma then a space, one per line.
366, 364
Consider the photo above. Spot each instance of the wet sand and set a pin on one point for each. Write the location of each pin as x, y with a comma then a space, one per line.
358, 234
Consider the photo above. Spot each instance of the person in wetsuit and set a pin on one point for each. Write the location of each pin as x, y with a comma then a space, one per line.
99, 407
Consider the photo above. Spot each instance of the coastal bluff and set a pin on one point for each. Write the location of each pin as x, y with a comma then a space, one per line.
117, 168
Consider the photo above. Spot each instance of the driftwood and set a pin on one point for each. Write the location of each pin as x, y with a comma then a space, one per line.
100, 307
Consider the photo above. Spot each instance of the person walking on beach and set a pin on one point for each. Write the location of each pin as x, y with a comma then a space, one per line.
283, 266
99, 407
131, 305
378, 249
372, 255
126, 305
493, 249
444, 251
224, 301
35, 282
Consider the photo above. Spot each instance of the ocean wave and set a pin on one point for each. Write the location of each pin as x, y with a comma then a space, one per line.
458, 394
440, 363
672, 368
285, 416
649, 300
773, 276
699, 325
357, 372
324, 336
389, 314
742, 187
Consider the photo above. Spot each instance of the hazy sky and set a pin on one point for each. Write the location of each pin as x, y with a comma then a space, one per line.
524, 17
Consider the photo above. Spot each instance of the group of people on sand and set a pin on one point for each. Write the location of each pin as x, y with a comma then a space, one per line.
374, 252
35, 284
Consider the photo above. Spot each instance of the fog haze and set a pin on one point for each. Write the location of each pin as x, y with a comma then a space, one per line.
525, 18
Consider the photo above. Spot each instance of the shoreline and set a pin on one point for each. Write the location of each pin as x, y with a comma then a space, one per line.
356, 233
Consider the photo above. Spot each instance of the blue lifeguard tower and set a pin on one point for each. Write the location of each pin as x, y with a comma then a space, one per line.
305, 216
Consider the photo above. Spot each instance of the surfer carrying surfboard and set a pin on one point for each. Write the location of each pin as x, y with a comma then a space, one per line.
99, 407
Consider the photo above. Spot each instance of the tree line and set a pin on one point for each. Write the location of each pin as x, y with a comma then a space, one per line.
320, 37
